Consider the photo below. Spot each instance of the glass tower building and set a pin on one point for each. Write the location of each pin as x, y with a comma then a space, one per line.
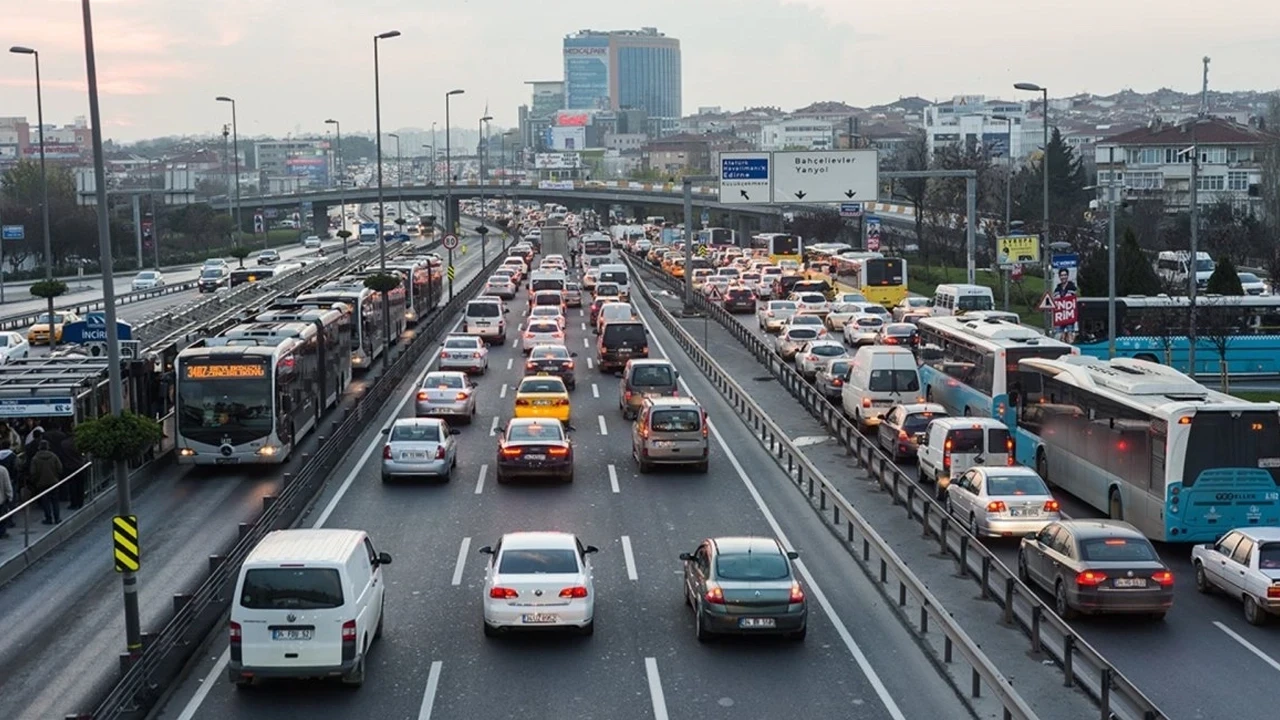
623, 70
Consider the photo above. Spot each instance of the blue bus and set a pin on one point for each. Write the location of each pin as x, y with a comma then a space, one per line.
967, 363
1144, 443
1246, 329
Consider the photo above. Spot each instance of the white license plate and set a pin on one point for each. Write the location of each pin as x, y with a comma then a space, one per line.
1130, 582
539, 618
227, 460
542, 403
291, 634
757, 623
535, 457
413, 456
663, 443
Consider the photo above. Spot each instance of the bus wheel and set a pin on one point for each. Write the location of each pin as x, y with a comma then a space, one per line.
1042, 465
1115, 506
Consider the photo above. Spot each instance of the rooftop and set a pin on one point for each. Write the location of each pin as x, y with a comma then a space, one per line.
1210, 130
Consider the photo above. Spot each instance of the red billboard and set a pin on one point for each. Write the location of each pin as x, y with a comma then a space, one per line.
572, 119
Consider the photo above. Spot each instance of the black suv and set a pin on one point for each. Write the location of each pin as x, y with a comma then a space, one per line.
621, 341
739, 299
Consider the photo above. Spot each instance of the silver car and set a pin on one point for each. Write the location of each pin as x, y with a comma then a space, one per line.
814, 354
841, 313
501, 286
830, 377
419, 447
774, 314
446, 393
792, 339
911, 307
1002, 501
464, 352
541, 332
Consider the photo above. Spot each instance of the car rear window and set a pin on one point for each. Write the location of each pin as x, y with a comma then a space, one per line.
624, 332
460, 343
291, 589
443, 381
966, 441
740, 294
894, 381
675, 420
652, 375
827, 350
538, 562
540, 432
546, 298
1117, 550
752, 566
415, 433
802, 333
547, 284
549, 352
544, 327
483, 309
917, 422
542, 385
1015, 485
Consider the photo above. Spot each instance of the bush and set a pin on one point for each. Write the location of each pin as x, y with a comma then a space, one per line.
118, 437
382, 282
48, 288
1224, 280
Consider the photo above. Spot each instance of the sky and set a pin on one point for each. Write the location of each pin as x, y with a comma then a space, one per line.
290, 64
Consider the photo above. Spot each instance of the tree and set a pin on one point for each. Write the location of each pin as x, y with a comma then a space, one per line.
48, 289
1269, 188
382, 282
1134, 274
818, 225
1068, 196
913, 155
1219, 321
118, 438
344, 235
240, 252
1224, 280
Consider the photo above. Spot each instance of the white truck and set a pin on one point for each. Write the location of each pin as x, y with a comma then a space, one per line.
555, 241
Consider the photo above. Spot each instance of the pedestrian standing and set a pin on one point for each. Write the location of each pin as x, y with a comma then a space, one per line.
46, 471
9, 462
72, 461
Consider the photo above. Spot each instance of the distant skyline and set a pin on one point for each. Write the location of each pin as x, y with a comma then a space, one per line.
290, 65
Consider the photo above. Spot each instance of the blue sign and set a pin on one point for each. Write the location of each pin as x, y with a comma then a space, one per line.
13, 232
851, 209
35, 407
92, 329
1067, 261
736, 168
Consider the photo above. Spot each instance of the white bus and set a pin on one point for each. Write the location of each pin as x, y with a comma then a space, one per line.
966, 365
959, 299
1143, 443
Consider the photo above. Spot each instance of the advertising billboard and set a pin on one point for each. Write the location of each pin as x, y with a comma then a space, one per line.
997, 144
586, 72
572, 119
315, 169
567, 138
557, 161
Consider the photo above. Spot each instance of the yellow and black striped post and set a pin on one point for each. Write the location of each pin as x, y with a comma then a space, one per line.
450, 273
124, 536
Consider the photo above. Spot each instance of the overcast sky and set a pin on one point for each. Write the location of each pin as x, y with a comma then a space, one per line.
292, 63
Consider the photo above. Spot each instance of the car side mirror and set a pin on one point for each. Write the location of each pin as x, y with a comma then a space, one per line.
1032, 537
573, 354
384, 559
687, 557
386, 431
591, 550
792, 554
486, 550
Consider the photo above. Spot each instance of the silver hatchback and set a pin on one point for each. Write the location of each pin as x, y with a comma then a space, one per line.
419, 447
446, 393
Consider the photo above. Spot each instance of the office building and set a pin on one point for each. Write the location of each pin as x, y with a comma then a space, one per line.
308, 160
970, 120
624, 69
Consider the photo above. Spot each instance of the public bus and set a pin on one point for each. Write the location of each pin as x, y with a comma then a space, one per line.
245, 400
881, 280
599, 249
780, 246
244, 276
334, 326
968, 366
369, 333
415, 281
1144, 443
1246, 329
716, 237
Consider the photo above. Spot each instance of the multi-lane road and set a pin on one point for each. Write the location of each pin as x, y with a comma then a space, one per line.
61, 624
643, 660
1202, 631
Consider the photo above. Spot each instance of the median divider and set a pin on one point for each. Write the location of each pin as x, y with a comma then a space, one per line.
1081, 664
26, 320
147, 677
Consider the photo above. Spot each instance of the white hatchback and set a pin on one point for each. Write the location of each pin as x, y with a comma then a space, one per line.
539, 580
547, 312
541, 332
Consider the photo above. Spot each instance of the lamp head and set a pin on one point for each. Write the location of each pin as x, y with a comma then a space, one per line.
330, 122
486, 118
387, 35
455, 92
20, 50
223, 98
1031, 87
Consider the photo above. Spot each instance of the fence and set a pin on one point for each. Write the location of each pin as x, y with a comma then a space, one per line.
1081, 664
26, 320
196, 614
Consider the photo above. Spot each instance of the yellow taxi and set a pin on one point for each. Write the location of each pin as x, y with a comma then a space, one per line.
677, 268
38, 334
542, 396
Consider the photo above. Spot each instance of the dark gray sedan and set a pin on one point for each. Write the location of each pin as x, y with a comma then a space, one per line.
744, 586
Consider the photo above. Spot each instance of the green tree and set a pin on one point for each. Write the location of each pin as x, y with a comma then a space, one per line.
1134, 274
1068, 198
1224, 280
120, 437
913, 155
240, 252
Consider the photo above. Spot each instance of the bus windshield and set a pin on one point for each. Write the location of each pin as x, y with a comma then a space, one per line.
596, 247
230, 401
785, 245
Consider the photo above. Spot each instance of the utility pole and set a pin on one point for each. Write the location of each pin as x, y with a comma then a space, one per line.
1111, 254
1193, 262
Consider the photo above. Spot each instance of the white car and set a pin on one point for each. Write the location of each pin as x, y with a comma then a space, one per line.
773, 314
539, 580
467, 353
842, 312
811, 302
500, 286
312, 241
547, 312
862, 329
1252, 284
147, 280
13, 346
849, 297
814, 354
541, 332
806, 320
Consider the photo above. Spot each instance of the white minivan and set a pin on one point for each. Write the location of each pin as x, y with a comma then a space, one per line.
880, 377
483, 317
308, 604
616, 273
959, 299
951, 446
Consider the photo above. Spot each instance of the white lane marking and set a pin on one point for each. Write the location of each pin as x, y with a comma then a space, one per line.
515, 341
585, 344
656, 696
590, 364
613, 479
582, 312
1247, 645
595, 391
604, 429
484, 470
429, 695
629, 557
502, 391
216, 672
584, 326
493, 427
461, 565
509, 362
852, 645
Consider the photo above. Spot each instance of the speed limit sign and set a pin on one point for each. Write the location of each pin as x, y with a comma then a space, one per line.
450, 242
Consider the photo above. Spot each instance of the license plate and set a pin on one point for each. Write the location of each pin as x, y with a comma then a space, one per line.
1015, 512
291, 634
536, 457
539, 618
413, 456
663, 443
624, 351
227, 461
542, 403
1130, 582
757, 623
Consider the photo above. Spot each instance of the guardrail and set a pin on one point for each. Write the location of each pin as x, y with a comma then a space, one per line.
856, 531
1080, 662
197, 614
26, 320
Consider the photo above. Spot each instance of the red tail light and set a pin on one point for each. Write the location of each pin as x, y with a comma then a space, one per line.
440, 452
1165, 578
706, 427
502, 593
386, 452
1090, 578
562, 401
461, 396
837, 382
627, 395
890, 341
866, 402
996, 506
569, 365
558, 451
510, 452
1051, 506
234, 629
531, 366
1273, 591
522, 401
797, 594
349, 631
714, 595
574, 592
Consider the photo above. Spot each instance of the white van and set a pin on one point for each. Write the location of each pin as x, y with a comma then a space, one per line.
959, 299
616, 273
1175, 267
880, 377
308, 604
953, 445
540, 280
483, 317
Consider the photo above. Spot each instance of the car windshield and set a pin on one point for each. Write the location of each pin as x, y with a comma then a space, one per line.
1005, 485
483, 309
291, 589
827, 350
752, 566
542, 385
443, 381
535, 432
415, 432
212, 273
675, 420
1117, 550
146, 276
460, 344
1248, 277
547, 352
538, 562
894, 381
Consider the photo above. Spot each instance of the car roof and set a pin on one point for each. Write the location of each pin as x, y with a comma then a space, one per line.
446, 373
913, 408
954, 423
672, 402
305, 545
1006, 470
745, 544
640, 362
547, 378
539, 540
1265, 534
417, 422
1101, 528
462, 336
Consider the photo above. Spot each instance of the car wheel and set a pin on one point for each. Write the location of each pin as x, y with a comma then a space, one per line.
589, 629
490, 631
355, 678
703, 467
1253, 614
644, 467
242, 683
799, 635
386, 478
1065, 611
1023, 574
699, 629
1202, 580
569, 478
500, 476
1157, 616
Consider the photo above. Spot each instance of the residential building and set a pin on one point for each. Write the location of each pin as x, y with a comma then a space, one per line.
539, 115
691, 153
19, 140
971, 120
308, 160
798, 134
15, 137
623, 69
1154, 162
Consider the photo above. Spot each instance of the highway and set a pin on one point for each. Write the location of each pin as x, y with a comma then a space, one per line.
643, 660
62, 619
1207, 631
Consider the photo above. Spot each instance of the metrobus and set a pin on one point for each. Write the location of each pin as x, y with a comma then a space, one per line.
243, 276
245, 400
420, 295
780, 246
716, 237
1143, 443
369, 334
880, 279
968, 365
1155, 329
334, 326
598, 247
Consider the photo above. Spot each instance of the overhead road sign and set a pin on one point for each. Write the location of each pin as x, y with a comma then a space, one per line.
37, 407
450, 242
124, 541
746, 178
851, 209
13, 232
830, 176
1018, 249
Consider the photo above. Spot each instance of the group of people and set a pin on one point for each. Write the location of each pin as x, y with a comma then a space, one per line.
34, 457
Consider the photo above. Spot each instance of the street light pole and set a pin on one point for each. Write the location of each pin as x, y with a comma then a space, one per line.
382, 235
1008, 196
1044, 220
107, 273
1193, 263
1111, 254
481, 156
433, 153
399, 178
450, 223
124, 501
235, 143
342, 180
